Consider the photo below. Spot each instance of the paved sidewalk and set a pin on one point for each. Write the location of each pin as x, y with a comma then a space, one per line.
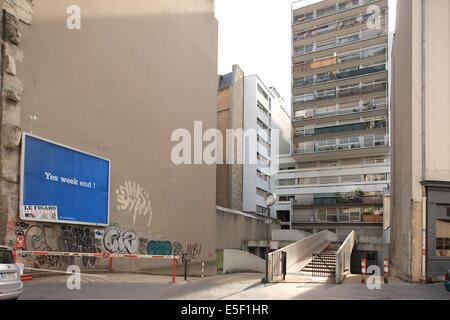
242, 286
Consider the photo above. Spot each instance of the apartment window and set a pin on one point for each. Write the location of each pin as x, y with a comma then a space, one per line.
350, 107
262, 210
262, 176
308, 181
326, 145
348, 5
328, 164
380, 102
351, 178
326, 111
305, 114
329, 180
374, 161
285, 198
323, 45
326, 11
355, 214
372, 52
304, 98
326, 94
332, 214
261, 192
348, 57
262, 108
304, 81
264, 93
380, 140
349, 143
263, 160
261, 124
306, 147
287, 182
321, 215
324, 77
376, 177
348, 39
264, 143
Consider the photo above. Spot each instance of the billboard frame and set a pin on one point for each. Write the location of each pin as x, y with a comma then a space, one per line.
22, 182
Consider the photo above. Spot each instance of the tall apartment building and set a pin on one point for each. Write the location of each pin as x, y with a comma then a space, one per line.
340, 166
420, 243
246, 103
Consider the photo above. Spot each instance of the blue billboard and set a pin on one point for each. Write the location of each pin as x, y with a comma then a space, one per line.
62, 184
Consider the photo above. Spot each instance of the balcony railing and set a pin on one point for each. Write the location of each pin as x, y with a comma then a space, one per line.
338, 42
344, 128
316, 14
304, 82
336, 201
335, 25
364, 142
340, 59
359, 106
340, 93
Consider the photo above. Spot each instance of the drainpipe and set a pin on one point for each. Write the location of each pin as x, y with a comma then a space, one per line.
424, 197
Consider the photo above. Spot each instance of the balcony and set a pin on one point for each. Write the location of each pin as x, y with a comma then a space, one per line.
309, 81
334, 9
341, 202
340, 93
339, 42
344, 128
337, 25
342, 144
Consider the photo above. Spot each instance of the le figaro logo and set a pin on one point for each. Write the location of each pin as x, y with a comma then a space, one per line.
40, 212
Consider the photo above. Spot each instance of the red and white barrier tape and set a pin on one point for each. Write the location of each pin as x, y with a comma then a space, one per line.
104, 255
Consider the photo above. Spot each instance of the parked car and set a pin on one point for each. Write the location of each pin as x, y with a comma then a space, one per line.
10, 282
447, 280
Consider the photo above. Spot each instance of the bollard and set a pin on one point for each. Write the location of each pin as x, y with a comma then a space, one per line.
185, 269
386, 270
203, 269
110, 264
363, 270
174, 270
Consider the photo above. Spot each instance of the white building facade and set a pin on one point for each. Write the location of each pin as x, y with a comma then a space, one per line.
264, 111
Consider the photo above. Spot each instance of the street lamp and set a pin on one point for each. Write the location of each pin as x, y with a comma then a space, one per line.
270, 199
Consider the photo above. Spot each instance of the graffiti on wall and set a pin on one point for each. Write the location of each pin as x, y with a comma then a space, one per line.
79, 239
61, 238
116, 240
159, 248
72, 238
191, 252
132, 199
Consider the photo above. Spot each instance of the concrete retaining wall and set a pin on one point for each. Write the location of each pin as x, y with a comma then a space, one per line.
239, 261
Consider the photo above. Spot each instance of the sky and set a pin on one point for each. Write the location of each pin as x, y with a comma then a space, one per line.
256, 35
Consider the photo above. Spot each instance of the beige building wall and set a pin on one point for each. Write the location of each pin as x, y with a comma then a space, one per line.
437, 90
136, 71
410, 122
230, 115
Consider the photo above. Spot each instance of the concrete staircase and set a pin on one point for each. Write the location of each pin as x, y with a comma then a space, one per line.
323, 264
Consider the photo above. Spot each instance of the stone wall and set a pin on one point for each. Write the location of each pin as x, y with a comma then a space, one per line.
14, 15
